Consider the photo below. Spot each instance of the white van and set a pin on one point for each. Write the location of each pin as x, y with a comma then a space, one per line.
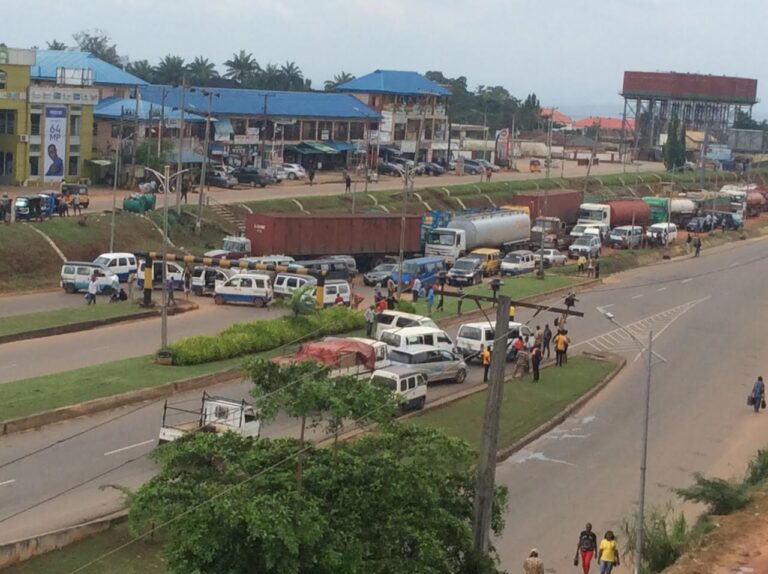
409, 336
287, 283
76, 275
205, 279
517, 262
252, 288
331, 290
397, 319
472, 335
121, 264
406, 382
174, 272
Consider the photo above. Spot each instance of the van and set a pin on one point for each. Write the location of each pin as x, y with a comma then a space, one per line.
333, 268
425, 268
252, 288
349, 260
286, 283
76, 275
518, 262
471, 336
436, 364
410, 336
409, 384
331, 290
397, 319
173, 271
121, 264
276, 260
491, 259
205, 279
625, 237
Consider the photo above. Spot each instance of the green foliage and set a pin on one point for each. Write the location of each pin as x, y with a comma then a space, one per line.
263, 335
406, 306
674, 150
142, 69
666, 536
397, 501
757, 471
340, 78
98, 43
302, 302
721, 496
146, 153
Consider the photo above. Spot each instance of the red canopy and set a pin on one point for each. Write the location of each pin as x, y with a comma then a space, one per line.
335, 352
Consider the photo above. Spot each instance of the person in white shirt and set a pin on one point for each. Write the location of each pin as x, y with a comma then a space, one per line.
416, 289
93, 290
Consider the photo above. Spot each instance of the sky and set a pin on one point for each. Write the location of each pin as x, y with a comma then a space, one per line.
571, 53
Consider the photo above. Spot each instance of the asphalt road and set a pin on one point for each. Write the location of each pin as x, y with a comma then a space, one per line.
586, 469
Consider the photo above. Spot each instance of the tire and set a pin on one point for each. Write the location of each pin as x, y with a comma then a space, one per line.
258, 302
291, 176
69, 288
420, 404
218, 299
461, 376
263, 185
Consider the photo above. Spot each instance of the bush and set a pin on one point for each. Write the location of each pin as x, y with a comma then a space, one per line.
666, 537
757, 471
405, 306
264, 335
721, 496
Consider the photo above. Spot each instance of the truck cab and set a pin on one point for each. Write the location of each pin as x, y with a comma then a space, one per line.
448, 243
216, 414
552, 229
595, 213
232, 248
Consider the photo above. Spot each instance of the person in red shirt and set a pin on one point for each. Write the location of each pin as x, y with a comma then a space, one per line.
519, 344
381, 305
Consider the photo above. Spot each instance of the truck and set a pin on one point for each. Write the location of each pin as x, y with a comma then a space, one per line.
678, 210
503, 229
232, 247
616, 212
367, 237
346, 356
561, 203
216, 415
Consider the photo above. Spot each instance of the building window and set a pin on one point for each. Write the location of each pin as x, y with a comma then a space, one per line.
7, 121
34, 124
6, 163
238, 127
75, 122
357, 131
291, 132
308, 130
74, 149
34, 166
95, 128
34, 149
74, 162
399, 132
2, 80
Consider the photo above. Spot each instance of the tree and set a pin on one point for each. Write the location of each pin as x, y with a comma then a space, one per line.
744, 121
170, 70
202, 72
271, 78
242, 68
98, 43
302, 302
146, 153
399, 501
56, 45
340, 78
142, 69
292, 77
673, 151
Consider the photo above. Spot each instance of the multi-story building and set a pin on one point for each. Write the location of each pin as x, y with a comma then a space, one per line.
14, 85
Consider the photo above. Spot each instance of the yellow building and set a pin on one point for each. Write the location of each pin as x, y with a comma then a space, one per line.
14, 84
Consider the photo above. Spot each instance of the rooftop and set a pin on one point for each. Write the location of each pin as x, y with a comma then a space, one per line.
557, 116
48, 61
394, 82
114, 107
604, 123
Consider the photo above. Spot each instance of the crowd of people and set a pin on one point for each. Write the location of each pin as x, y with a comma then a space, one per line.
606, 554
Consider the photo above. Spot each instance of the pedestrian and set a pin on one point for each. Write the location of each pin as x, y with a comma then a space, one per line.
522, 363
416, 289
93, 290
546, 340
512, 313
7, 207
722, 225
536, 362
391, 301
311, 176
538, 336
758, 394
608, 553
347, 184
585, 549
697, 246
488, 174
377, 292
561, 346
187, 281
382, 305
533, 564
370, 317
184, 189
131, 283
391, 287
441, 302
430, 300
597, 267
76, 203
3, 208
485, 357
169, 290
581, 262
688, 241
339, 301
459, 299
115, 285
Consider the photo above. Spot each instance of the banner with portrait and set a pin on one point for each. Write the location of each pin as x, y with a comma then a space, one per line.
55, 142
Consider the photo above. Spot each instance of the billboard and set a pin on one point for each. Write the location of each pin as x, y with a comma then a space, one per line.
55, 142
675, 85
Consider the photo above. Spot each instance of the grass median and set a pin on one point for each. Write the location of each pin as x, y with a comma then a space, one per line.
525, 405
68, 316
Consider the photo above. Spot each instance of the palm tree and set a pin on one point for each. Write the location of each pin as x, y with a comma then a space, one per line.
56, 45
293, 79
242, 68
170, 70
202, 71
271, 78
143, 69
301, 302
340, 78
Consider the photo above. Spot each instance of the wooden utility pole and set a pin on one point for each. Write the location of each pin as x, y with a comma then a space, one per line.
486, 469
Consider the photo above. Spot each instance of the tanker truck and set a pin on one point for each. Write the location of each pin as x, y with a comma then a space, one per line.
505, 230
615, 212
678, 210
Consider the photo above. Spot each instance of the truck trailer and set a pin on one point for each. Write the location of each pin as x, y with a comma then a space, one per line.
616, 212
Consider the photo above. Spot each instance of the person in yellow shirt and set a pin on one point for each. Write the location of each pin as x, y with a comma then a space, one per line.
533, 564
561, 342
582, 263
485, 355
608, 553
512, 313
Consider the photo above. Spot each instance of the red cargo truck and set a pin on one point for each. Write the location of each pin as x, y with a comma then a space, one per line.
368, 237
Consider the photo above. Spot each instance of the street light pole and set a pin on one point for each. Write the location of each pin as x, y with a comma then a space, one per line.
485, 138
164, 309
114, 184
179, 159
198, 222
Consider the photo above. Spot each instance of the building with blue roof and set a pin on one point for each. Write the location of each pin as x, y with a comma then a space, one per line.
51, 64
413, 108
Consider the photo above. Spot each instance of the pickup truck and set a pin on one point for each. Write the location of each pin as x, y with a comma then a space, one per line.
216, 414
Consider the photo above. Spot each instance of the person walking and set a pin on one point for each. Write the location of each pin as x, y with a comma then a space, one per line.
184, 189
535, 362
608, 553
597, 267
76, 203
561, 346
187, 281
169, 290
546, 340
370, 317
590, 267
377, 292
758, 394
586, 548
533, 564
311, 176
391, 301
697, 246
538, 336
347, 184
430, 300
488, 174
391, 287
415, 289
485, 357
688, 241
93, 290
581, 262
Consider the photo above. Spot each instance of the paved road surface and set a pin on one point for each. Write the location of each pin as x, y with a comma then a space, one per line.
588, 464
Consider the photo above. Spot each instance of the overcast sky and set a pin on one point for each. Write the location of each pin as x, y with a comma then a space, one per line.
571, 53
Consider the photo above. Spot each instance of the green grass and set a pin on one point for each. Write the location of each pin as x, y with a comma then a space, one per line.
27, 261
67, 316
524, 407
142, 557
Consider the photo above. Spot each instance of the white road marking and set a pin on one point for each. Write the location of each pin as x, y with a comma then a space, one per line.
8, 482
661, 289
129, 447
609, 305
588, 419
686, 280
637, 296
526, 455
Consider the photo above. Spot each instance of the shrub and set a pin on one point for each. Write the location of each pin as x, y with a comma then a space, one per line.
405, 306
721, 496
757, 471
666, 537
264, 335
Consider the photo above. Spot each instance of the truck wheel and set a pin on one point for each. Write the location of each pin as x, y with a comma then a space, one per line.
258, 302
218, 299
69, 288
421, 402
460, 376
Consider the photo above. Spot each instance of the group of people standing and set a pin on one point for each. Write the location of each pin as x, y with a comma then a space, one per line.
606, 554
589, 266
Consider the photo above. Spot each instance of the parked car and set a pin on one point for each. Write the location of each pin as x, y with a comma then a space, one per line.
121, 264
205, 279
294, 171
277, 173
220, 178
407, 337
431, 168
251, 288
471, 336
437, 364
398, 319
286, 283
252, 176
379, 274
486, 164
551, 257
587, 245
625, 237
466, 271
517, 262
473, 167
656, 233
386, 168
408, 383
349, 260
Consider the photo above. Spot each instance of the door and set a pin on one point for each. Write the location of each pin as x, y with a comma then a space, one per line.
443, 341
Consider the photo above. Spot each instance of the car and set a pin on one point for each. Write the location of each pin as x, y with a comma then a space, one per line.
286, 283
431, 168
220, 178
466, 271
349, 260
472, 336
252, 176
379, 274
551, 257
658, 230
517, 263
277, 173
587, 245
294, 171
486, 164
251, 288
472, 167
625, 237
386, 168
437, 364
406, 382
407, 337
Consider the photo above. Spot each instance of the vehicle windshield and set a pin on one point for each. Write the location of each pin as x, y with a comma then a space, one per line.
465, 264
400, 357
386, 382
583, 241
441, 238
101, 261
591, 214
385, 268
22, 202
545, 224
234, 245
511, 258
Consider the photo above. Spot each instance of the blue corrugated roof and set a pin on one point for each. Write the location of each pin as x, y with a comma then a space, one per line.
103, 73
394, 82
241, 102
110, 108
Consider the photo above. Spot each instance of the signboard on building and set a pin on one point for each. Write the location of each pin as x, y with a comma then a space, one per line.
55, 142
325, 135
386, 127
245, 139
74, 76
81, 96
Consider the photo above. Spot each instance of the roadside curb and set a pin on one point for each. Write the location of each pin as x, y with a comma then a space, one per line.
87, 325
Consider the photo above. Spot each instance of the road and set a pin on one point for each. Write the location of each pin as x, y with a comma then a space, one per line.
587, 465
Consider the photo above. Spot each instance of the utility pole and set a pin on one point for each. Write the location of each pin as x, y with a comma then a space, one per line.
162, 121
264, 131
367, 150
180, 151
512, 149
591, 157
402, 235
198, 222
114, 183
702, 173
639, 528
164, 274
485, 138
135, 137
486, 468
549, 144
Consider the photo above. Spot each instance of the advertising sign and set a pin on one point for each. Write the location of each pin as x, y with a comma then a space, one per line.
55, 142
